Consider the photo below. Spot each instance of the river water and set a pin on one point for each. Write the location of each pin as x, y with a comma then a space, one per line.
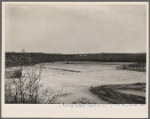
76, 78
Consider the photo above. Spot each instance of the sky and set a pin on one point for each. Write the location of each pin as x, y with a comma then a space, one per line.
71, 28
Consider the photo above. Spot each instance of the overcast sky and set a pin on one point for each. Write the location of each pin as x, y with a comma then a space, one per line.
75, 28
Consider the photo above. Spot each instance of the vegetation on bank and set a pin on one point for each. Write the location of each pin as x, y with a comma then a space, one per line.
13, 73
139, 66
28, 89
19, 59
23, 89
112, 94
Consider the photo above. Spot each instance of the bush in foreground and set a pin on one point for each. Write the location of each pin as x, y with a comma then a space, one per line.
24, 89
28, 89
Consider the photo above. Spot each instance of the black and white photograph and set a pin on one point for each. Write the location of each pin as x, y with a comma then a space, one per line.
75, 53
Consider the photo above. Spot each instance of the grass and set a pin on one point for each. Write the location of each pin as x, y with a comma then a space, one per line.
111, 94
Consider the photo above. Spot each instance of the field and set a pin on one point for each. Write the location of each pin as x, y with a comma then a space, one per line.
70, 82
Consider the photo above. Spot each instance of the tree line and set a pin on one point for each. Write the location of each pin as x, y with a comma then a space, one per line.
19, 59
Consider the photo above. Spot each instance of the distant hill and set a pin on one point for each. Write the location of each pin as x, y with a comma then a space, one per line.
18, 59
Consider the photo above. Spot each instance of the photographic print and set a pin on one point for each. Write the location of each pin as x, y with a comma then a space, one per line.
75, 53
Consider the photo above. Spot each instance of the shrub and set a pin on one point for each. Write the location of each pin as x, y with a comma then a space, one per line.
24, 89
28, 89
13, 74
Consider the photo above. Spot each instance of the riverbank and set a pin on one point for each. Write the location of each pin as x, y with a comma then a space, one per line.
121, 94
